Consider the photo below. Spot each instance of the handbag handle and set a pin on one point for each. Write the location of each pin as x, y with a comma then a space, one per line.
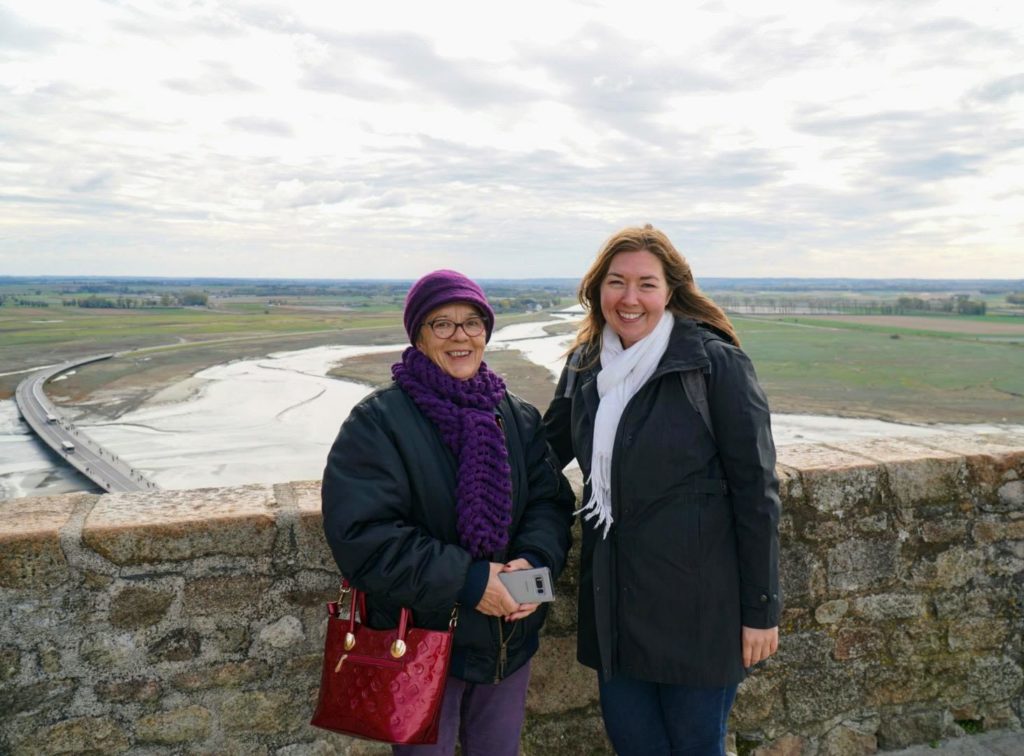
398, 647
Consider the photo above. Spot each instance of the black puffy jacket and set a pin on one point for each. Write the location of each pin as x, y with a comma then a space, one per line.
693, 552
389, 516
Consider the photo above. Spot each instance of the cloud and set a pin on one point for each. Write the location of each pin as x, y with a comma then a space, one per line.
217, 78
18, 35
265, 126
1000, 89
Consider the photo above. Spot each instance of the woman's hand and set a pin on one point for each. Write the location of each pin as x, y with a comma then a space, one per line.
758, 645
497, 601
523, 610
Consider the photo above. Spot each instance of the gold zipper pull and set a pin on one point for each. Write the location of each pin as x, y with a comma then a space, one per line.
341, 661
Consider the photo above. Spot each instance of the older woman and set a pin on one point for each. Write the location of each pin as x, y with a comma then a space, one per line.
435, 485
679, 584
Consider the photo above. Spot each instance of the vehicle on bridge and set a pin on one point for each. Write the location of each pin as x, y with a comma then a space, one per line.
50, 417
67, 446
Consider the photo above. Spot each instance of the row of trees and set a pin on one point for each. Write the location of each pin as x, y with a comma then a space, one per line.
960, 304
11, 301
523, 304
176, 299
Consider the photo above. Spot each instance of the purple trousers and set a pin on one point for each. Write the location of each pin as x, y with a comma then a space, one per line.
485, 718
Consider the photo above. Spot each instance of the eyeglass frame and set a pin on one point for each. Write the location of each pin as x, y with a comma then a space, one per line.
483, 327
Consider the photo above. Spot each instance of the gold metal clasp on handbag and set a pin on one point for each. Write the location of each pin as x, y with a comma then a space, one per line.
453, 621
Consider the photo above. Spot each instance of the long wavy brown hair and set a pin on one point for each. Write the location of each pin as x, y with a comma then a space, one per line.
686, 299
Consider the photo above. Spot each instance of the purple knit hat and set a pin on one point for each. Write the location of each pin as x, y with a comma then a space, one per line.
438, 288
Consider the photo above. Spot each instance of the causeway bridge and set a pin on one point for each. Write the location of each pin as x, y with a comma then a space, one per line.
88, 456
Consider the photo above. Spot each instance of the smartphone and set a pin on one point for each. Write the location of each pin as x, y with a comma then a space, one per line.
529, 586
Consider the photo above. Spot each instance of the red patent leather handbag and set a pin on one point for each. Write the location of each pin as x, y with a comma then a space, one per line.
384, 685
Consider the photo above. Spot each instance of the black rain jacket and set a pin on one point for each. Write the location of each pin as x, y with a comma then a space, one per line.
388, 498
693, 551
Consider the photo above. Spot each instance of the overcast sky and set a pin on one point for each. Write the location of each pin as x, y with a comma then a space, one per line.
358, 139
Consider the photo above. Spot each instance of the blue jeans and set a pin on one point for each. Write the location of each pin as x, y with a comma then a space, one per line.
650, 719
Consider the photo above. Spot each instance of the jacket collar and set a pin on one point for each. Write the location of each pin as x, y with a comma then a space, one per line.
685, 351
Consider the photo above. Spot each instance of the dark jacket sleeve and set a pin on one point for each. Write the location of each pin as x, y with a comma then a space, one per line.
366, 502
558, 422
544, 529
739, 414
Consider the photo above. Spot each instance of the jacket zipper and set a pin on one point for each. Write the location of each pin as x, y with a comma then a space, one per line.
499, 670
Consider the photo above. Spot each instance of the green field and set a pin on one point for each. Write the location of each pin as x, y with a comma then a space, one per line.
820, 366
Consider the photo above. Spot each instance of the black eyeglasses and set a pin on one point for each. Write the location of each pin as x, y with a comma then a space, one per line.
445, 329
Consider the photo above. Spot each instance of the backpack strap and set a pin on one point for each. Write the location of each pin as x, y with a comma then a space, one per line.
573, 370
696, 388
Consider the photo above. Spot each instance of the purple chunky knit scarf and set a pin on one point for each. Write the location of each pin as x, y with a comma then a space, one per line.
463, 412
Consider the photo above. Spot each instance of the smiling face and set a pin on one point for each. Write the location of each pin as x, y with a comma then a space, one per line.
460, 355
634, 295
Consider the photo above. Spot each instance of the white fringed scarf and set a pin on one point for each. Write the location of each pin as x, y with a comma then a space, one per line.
623, 373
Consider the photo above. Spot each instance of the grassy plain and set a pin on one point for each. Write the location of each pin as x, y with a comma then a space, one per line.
844, 367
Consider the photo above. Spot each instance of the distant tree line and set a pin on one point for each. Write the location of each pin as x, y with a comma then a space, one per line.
1016, 298
961, 304
523, 304
176, 299
7, 299
958, 304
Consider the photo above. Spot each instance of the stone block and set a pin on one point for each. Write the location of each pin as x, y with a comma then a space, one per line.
787, 745
975, 633
995, 679
833, 480
557, 682
831, 611
844, 740
284, 633
857, 642
801, 573
916, 472
910, 640
10, 662
944, 531
30, 554
818, 693
990, 530
952, 568
857, 564
227, 675
576, 733
81, 735
49, 658
224, 594
1011, 495
108, 652
262, 713
175, 726
311, 549
138, 606
134, 690
808, 649
304, 667
147, 527
757, 701
232, 638
888, 606
181, 644
901, 729
47, 695
339, 746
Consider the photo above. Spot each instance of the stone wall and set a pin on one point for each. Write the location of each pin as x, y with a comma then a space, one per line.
192, 621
